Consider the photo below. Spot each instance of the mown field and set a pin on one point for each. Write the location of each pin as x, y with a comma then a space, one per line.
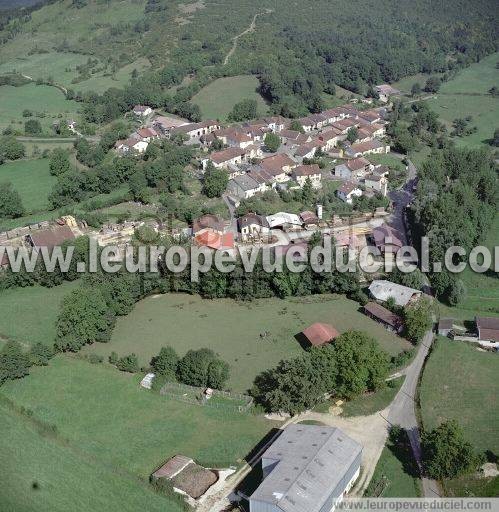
467, 95
41, 473
29, 314
109, 417
217, 99
47, 104
31, 179
460, 382
233, 329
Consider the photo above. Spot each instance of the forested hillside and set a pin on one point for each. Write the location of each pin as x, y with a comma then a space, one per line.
298, 49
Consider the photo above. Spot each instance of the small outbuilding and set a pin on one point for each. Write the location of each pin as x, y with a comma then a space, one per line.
186, 476
488, 328
445, 326
319, 334
384, 316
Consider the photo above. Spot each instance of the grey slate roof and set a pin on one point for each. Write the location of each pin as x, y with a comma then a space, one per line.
311, 461
246, 182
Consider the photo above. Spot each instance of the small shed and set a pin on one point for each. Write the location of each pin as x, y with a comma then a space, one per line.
319, 334
384, 316
186, 476
445, 326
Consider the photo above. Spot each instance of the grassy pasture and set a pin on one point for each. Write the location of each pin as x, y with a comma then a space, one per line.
60, 66
395, 475
460, 382
217, 99
467, 95
233, 329
29, 314
108, 416
66, 479
102, 81
42, 99
32, 179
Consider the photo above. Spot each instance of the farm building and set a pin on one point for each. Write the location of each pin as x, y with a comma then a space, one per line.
445, 326
284, 220
319, 333
309, 218
303, 172
309, 468
353, 169
186, 476
385, 91
384, 316
382, 290
50, 237
488, 328
370, 147
214, 240
142, 110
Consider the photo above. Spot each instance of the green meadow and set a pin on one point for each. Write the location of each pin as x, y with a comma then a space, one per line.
105, 414
42, 473
47, 104
460, 382
217, 99
482, 289
29, 314
31, 179
467, 95
233, 329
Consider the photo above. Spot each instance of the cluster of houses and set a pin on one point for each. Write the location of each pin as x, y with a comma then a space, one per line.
251, 172
360, 176
252, 169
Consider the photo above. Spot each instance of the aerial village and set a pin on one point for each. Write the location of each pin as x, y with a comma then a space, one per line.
294, 463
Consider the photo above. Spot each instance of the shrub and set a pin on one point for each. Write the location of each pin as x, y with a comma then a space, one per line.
128, 364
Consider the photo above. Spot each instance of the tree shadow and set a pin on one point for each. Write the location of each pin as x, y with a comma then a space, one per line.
400, 446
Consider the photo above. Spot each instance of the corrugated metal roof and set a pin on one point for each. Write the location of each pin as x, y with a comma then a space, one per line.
311, 462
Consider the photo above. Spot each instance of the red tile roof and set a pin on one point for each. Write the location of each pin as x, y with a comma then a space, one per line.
320, 333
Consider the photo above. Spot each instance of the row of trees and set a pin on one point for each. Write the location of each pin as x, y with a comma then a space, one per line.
200, 368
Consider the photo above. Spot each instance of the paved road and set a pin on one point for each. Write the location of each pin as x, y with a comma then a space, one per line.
401, 199
402, 410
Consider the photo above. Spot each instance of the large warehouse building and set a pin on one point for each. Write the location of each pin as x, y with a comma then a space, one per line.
309, 468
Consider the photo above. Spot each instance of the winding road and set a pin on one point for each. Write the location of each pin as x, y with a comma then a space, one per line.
251, 28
